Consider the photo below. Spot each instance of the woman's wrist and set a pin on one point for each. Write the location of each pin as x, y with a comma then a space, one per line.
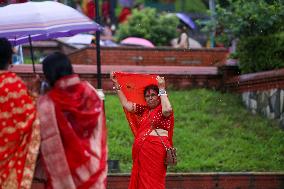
162, 92
116, 87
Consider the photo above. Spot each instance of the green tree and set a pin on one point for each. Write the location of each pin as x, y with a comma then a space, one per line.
242, 18
148, 24
258, 26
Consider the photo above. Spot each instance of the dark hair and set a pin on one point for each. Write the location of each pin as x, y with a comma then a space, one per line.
56, 66
153, 87
6, 52
182, 27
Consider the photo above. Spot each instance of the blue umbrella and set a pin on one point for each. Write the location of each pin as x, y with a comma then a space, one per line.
186, 19
126, 3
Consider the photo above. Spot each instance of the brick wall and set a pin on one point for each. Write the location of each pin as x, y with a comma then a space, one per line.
226, 78
210, 181
150, 56
260, 81
231, 180
177, 77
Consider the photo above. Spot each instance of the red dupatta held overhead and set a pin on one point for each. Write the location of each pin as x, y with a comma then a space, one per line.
19, 133
133, 86
73, 147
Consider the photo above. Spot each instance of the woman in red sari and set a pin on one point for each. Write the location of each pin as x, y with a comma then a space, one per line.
155, 122
73, 147
19, 127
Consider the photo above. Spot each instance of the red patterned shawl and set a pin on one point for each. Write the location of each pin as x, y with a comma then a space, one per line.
74, 148
19, 133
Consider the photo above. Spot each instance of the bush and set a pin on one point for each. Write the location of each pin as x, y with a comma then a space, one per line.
261, 53
256, 25
158, 28
241, 18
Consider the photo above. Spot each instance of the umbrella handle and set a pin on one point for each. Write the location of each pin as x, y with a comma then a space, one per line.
32, 53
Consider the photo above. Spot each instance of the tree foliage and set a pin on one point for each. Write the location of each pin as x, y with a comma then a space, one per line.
258, 25
260, 53
242, 18
148, 24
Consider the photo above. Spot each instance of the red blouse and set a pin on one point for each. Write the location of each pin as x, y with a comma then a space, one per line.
158, 121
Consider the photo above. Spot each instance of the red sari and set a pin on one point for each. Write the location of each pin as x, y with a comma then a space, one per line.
74, 148
148, 152
19, 133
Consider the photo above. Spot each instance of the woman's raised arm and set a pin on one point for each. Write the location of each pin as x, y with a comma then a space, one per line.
166, 105
123, 100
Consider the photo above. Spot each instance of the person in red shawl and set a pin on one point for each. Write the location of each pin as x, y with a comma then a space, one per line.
73, 130
152, 121
124, 14
89, 8
19, 127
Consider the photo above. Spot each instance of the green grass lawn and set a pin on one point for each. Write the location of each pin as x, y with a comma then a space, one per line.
213, 132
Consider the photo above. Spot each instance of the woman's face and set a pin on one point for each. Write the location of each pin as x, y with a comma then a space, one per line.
152, 99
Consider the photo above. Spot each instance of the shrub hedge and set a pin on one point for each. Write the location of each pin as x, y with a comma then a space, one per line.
260, 53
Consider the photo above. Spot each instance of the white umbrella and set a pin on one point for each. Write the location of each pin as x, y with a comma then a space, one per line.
24, 22
193, 44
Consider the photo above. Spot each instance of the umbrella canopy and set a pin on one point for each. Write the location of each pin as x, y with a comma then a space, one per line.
186, 19
42, 20
80, 38
137, 42
126, 3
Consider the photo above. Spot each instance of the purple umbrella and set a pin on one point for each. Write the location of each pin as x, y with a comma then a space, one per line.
126, 3
42, 20
24, 22
186, 19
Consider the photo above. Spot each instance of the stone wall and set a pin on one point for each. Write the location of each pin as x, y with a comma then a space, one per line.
262, 92
268, 103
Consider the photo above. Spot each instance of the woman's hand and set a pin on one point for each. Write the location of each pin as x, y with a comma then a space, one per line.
114, 80
123, 100
166, 105
161, 82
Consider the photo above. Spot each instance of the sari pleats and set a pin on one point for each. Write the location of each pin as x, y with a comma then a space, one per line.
149, 170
